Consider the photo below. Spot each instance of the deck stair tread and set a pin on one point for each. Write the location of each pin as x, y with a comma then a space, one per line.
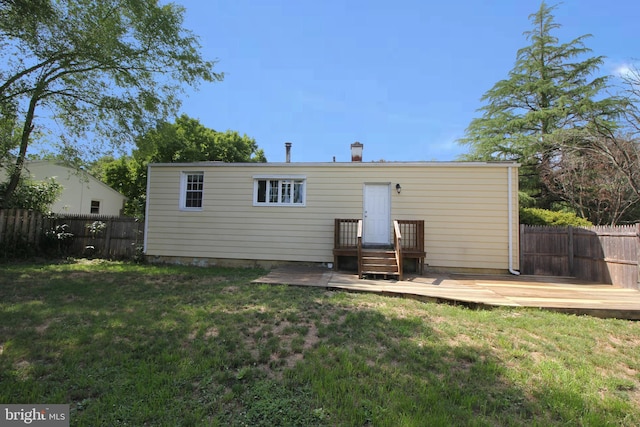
379, 261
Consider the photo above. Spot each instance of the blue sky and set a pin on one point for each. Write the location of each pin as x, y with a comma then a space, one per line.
403, 77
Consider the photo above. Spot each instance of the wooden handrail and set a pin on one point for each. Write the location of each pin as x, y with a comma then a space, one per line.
397, 243
408, 241
359, 237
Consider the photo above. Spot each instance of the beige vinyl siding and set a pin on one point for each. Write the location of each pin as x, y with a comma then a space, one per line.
464, 206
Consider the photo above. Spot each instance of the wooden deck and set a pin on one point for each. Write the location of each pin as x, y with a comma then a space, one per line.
550, 293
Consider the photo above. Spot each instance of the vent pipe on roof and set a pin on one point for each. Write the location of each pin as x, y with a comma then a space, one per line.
287, 146
356, 152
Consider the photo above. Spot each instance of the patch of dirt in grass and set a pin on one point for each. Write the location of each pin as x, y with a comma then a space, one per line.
82, 275
41, 329
211, 333
402, 312
118, 339
291, 360
244, 309
460, 339
437, 319
286, 356
615, 341
537, 357
90, 261
312, 338
163, 280
369, 305
208, 280
23, 369
280, 327
626, 342
634, 397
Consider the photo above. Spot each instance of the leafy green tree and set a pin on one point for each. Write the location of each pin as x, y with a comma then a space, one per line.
96, 168
105, 69
129, 177
186, 140
8, 140
33, 195
550, 88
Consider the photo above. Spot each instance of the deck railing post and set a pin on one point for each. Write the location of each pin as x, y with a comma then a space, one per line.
397, 237
359, 237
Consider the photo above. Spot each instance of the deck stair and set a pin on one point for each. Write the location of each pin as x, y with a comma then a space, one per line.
379, 262
382, 260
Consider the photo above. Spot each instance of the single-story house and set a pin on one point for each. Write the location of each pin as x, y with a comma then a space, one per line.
81, 192
213, 213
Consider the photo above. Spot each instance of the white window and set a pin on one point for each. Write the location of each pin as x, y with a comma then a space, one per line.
191, 190
95, 206
279, 190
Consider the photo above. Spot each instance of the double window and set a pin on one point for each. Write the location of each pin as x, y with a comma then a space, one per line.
191, 190
267, 190
279, 191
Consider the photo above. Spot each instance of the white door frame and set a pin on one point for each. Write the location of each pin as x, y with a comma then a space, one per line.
376, 213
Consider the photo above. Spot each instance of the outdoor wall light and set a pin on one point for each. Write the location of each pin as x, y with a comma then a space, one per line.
398, 188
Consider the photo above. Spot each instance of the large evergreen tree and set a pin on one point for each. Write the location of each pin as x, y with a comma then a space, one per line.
553, 86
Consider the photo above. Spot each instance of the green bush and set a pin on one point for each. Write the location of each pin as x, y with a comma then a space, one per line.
33, 195
536, 216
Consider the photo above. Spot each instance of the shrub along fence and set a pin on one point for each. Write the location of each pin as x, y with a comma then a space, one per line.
601, 254
28, 233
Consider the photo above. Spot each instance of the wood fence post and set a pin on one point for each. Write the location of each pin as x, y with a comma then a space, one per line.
17, 217
638, 253
570, 255
40, 230
3, 225
521, 246
108, 236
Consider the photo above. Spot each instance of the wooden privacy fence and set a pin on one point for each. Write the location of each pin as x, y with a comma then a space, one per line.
601, 254
24, 232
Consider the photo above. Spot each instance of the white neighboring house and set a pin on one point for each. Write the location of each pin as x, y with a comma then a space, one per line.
81, 192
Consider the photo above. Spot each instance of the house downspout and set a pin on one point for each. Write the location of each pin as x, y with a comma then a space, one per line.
146, 211
510, 204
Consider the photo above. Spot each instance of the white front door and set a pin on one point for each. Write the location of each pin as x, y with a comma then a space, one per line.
377, 214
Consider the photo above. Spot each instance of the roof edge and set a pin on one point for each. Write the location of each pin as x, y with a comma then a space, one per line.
340, 164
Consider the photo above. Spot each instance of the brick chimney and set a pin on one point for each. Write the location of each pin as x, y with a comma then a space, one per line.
356, 152
287, 146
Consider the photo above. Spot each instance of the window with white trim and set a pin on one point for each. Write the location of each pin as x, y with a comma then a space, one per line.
95, 206
191, 190
279, 191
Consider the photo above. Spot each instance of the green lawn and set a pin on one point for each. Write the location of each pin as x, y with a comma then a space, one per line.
126, 344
